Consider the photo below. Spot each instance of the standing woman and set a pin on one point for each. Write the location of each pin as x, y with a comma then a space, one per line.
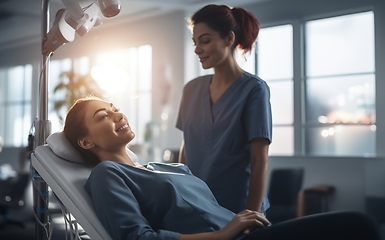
226, 117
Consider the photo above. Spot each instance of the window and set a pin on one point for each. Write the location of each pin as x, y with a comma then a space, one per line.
57, 67
15, 105
124, 77
340, 86
275, 66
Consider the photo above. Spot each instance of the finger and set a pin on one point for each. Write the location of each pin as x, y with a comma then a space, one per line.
253, 215
263, 219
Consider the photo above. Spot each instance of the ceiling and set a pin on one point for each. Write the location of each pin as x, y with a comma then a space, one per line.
20, 20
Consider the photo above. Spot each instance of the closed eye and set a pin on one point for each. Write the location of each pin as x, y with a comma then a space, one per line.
103, 116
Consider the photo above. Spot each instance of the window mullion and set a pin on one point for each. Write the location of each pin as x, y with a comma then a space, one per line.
298, 88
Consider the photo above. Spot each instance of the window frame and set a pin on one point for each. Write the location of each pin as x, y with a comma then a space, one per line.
299, 74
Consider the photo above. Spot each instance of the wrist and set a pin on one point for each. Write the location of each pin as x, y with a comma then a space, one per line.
218, 235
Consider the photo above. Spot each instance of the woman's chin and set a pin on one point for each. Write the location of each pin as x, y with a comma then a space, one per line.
130, 136
206, 66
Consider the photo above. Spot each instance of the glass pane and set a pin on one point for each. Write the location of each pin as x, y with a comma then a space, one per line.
57, 67
144, 67
283, 141
15, 87
3, 81
28, 83
132, 72
82, 65
144, 114
341, 141
281, 99
14, 119
340, 45
2, 121
349, 99
56, 122
275, 52
27, 123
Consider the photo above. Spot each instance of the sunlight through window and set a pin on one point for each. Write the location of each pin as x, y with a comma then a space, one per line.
110, 71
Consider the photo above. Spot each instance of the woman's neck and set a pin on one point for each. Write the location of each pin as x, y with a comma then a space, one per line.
227, 72
116, 156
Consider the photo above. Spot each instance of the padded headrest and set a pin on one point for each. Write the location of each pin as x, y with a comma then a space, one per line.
62, 148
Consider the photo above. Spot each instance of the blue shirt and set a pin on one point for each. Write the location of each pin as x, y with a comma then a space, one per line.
217, 136
133, 203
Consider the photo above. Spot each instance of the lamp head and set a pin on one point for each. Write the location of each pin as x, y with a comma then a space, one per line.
109, 8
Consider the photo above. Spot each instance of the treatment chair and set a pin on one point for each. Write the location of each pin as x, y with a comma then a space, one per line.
62, 168
285, 184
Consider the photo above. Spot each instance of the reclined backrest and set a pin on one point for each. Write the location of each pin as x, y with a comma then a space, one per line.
62, 168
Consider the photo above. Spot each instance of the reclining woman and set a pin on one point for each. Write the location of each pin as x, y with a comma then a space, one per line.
166, 201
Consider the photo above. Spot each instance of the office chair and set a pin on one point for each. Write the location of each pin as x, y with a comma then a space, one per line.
170, 156
285, 184
12, 195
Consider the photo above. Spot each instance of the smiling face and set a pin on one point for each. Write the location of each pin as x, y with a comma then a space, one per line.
108, 129
211, 49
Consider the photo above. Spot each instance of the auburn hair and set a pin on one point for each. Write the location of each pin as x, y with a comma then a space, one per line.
225, 19
75, 128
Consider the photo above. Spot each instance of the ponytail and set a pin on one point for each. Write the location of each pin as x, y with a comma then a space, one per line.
247, 29
224, 19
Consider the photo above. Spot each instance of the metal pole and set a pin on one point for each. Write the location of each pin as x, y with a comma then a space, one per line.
42, 131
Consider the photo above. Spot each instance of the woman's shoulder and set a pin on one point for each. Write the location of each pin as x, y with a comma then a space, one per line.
253, 82
247, 76
106, 167
198, 81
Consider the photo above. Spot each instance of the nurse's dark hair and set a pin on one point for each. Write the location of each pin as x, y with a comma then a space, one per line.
225, 19
75, 128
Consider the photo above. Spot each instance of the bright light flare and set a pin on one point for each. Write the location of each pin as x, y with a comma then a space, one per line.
325, 133
110, 78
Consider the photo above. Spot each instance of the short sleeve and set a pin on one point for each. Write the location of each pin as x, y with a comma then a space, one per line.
257, 119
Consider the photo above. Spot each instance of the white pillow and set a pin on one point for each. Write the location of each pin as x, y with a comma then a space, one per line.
60, 145
62, 148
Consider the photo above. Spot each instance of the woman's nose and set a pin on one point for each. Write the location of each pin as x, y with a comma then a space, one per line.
197, 50
119, 117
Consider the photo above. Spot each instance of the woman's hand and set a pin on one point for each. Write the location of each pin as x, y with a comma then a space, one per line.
243, 222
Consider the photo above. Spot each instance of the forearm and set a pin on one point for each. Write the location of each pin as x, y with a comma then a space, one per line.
257, 186
201, 236
242, 221
258, 162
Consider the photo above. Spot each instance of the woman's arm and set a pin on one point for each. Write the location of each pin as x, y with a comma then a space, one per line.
259, 148
242, 221
117, 207
181, 153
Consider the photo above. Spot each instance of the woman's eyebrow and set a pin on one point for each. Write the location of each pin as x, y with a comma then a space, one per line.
204, 34
100, 109
104, 109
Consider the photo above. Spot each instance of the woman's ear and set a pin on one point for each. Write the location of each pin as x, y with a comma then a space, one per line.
230, 38
85, 143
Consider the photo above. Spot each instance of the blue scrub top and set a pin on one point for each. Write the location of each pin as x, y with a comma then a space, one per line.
217, 136
133, 203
